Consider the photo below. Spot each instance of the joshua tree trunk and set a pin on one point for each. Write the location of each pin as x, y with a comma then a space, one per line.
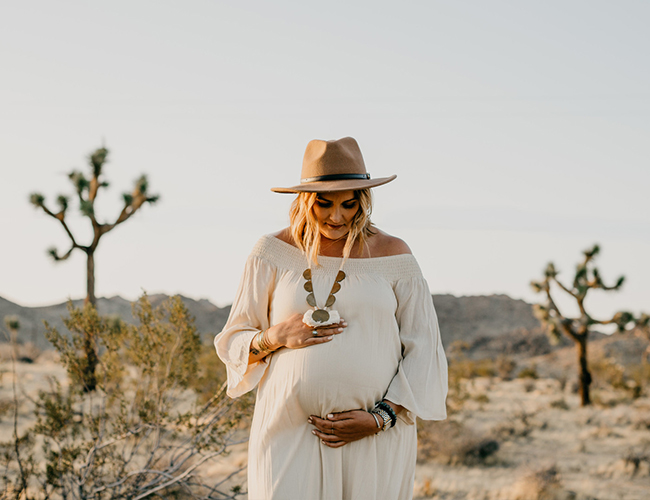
91, 361
90, 282
585, 376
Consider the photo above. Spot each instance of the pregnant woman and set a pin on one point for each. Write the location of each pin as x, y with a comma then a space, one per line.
334, 322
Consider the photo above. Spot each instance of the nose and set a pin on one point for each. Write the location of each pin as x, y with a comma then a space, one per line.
336, 216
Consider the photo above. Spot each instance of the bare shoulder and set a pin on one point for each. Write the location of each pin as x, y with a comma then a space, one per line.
284, 235
383, 244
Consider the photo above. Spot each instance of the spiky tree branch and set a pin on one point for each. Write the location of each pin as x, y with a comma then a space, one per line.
86, 191
587, 277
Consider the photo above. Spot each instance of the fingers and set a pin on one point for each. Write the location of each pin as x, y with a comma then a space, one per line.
329, 439
327, 332
337, 425
334, 329
343, 415
317, 340
323, 334
326, 436
345, 426
322, 425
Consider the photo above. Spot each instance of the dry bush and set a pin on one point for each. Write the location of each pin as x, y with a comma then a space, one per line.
638, 460
156, 419
633, 380
640, 374
542, 484
608, 399
25, 352
505, 366
425, 489
460, 371
481, 398
520, 424
528, 372
642, 423
560, 404
449, 442
6, 405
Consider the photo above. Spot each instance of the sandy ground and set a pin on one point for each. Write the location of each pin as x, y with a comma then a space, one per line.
539, 427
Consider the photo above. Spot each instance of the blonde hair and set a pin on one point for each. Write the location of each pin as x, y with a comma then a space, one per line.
305, 231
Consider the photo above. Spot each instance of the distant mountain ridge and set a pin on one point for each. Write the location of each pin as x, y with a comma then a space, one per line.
488, 323
209, 319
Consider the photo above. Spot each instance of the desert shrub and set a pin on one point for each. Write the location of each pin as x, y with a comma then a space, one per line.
560, 404
481, 398
6, 405
150, 427
528, 372
637, 459
608, 371
450, 442
520, 424
460, 371
640, 375
25, 352
541, 484
505, 366
642, 423
211, 374
633, 379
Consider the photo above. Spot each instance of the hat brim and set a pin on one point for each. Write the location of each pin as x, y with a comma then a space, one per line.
333, 186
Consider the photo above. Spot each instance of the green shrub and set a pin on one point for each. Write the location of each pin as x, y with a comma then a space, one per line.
528, 372
151, 426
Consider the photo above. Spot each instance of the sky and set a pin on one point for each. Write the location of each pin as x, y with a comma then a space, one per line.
517, 130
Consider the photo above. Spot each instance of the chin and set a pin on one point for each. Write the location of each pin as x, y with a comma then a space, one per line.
334, 234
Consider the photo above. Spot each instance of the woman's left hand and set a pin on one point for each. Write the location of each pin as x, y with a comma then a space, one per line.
339, 429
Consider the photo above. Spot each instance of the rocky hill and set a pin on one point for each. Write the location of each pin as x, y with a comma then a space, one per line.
209, 319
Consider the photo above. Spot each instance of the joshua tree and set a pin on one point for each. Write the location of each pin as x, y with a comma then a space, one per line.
87, 190
587, 277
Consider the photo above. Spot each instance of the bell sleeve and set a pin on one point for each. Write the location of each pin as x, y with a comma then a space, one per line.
420, 384
249, 315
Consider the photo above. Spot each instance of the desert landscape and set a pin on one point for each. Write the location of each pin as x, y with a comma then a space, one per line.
516, 430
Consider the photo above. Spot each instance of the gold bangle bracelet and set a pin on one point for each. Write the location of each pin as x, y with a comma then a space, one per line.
258, 339
264, 346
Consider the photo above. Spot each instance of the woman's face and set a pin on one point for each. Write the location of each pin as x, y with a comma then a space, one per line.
335, 212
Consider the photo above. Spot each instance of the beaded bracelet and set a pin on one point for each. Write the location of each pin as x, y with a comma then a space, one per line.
388, 409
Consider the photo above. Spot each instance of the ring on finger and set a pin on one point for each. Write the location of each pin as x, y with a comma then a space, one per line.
314, 332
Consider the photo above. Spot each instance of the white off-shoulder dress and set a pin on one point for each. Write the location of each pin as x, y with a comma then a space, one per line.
390, 349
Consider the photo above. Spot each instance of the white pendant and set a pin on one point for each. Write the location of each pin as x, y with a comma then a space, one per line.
309, 321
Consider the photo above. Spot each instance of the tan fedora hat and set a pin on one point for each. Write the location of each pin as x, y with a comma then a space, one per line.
333, 166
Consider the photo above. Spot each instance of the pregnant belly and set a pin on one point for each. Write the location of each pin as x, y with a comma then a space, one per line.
341, 375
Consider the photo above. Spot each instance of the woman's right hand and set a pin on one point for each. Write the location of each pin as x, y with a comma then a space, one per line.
294, 334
